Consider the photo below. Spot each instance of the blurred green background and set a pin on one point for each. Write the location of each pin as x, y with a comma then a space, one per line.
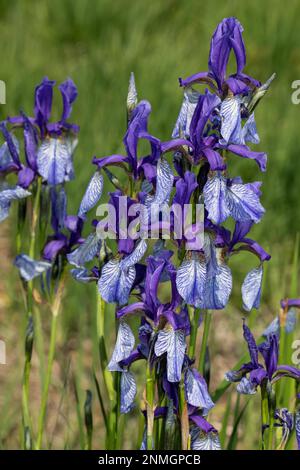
98, 43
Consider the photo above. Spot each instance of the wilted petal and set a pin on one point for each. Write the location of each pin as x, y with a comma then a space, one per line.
123, 348
190, 281
173, 343
7, 195
29, 268
246, 387
251, 289
86, 251
128, 391
231, 123
92, 195
215, 200
190, 100
54, 159
204, 441
196, 390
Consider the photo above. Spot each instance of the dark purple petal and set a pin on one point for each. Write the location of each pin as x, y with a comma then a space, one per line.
269, 350
43, 103
257, 376
202, 423
195, 78
185, 188
11, 144
286, 303
25, 177
30, 143
69, 94
111, 160
53, 247
245, 152
252, 346
214, 159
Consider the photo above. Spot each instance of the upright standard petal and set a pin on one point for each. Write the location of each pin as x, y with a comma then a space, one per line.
123, 348
128, 391
92, 195
69, 94
172, 342
190, 281
251, 289
29, 268
53, 160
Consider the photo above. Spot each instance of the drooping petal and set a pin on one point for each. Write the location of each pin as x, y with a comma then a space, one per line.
251, 289
115, 283
29, 268
196, 391
243, 202
92, 195
190, 100
246, 387
250, 133
164, 182
244, 152
201, 440
215, 199
173, 343
135, 256
231, 123
128, 391
123, 348
86, 251
53, 160
190, 281
7, 195
218, 289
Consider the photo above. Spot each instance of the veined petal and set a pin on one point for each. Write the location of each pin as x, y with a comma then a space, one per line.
243, 202
115, 283
190, 100
190, 281
7, 195
246, 387
250, 133
231, 123
204, 441
164, 182
135, 256
29, 268
251, 289
132, 96
123, 348
173, 343
218, 289
196, 391
215, 199
82, 275
53, 160
128, 391
86, 251
92, 195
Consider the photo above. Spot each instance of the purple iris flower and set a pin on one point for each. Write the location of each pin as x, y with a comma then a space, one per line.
252, 374
227, 38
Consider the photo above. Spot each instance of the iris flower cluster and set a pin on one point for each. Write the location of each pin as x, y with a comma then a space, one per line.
213, 125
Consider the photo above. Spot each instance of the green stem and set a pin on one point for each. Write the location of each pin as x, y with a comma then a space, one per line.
54, 320
150, 405
207, 321
184, 418
264, 413
194, 314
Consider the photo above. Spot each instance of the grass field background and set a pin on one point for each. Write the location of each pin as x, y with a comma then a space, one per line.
98, 43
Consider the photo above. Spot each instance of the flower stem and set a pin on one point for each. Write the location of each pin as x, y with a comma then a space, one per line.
45, 392
184, 418
194, 314
150, 405
264, 413
207, 321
